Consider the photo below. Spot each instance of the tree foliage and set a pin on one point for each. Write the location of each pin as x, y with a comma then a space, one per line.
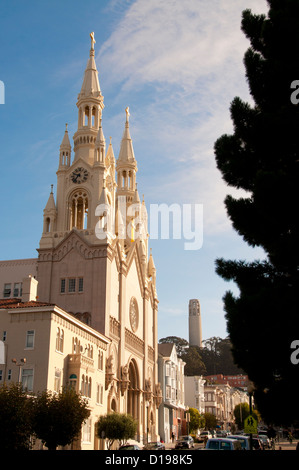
215, 357
210, 420
261, 157
58, 418
193, 361
180, 343
116, 426
241, 412
197, 421
16, 418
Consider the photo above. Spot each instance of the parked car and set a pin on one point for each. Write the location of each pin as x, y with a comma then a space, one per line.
244, 440
184, 442
256, 442
129, 447
205, 435
154, 446
265, 441
221, 433
223, 443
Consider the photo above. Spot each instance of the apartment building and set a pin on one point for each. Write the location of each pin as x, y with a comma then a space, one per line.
45, 348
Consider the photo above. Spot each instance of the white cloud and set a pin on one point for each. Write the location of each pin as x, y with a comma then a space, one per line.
191, 52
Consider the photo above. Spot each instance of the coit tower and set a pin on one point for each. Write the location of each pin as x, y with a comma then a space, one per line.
195, 335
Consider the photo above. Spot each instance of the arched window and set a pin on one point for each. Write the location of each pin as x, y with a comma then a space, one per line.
79, 210
73, 381
47, 225
101, 360
76, 346
59, 340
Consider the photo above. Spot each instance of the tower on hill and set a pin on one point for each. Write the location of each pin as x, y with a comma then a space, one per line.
195, 332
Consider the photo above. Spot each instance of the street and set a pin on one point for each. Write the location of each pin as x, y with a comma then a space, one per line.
281, 445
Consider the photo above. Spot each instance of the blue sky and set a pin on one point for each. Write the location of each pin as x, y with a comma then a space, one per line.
177, 64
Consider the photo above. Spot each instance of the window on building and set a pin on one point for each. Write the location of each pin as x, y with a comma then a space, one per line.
59, 339
1, 375
30, 339
76, 346
57, 380
168, 392
86, 386
62, 286
17, 290
73, 381
80, 288
7, 290
4, 336
27, 379
101, 360
72, 285
100, 393
86, 431
9, 374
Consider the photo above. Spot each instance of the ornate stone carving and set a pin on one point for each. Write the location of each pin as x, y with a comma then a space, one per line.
124, 379
148, 389
134, 316
110, 372
158, 395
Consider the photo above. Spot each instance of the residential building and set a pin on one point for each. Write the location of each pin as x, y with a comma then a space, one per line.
194, 392
234, 380
12, 273
221, 400
46, 348
171, 378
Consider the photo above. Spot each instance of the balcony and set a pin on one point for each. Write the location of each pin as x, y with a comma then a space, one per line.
79, 361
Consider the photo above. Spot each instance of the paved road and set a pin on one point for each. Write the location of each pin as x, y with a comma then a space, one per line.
282, 445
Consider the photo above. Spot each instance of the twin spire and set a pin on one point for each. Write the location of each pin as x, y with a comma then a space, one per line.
91, 85
89, 139
89, 135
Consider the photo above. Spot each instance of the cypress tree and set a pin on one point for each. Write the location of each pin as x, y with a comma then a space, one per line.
261, 157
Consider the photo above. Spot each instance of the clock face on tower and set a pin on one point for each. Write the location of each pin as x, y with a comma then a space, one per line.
79, 175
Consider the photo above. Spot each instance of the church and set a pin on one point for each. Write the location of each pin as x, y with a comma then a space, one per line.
94, 260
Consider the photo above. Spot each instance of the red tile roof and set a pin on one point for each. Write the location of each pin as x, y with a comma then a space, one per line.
17, 303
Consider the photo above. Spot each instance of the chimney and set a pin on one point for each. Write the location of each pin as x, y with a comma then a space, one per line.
29, 289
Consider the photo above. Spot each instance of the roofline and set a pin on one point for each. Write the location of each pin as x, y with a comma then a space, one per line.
59, 311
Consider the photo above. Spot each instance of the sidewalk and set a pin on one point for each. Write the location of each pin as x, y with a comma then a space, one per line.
285, 445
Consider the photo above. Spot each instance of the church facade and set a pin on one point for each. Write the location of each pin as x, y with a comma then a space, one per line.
94, 260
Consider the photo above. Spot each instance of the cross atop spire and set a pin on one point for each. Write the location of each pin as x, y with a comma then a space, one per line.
127, 114
93, 41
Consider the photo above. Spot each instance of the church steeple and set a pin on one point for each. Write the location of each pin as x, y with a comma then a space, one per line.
126, 165
90, 105
100, 147
50, 214
91, 85
65, 151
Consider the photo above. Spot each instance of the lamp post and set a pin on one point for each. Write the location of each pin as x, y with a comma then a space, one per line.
147, 407
250, 389
187, 419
